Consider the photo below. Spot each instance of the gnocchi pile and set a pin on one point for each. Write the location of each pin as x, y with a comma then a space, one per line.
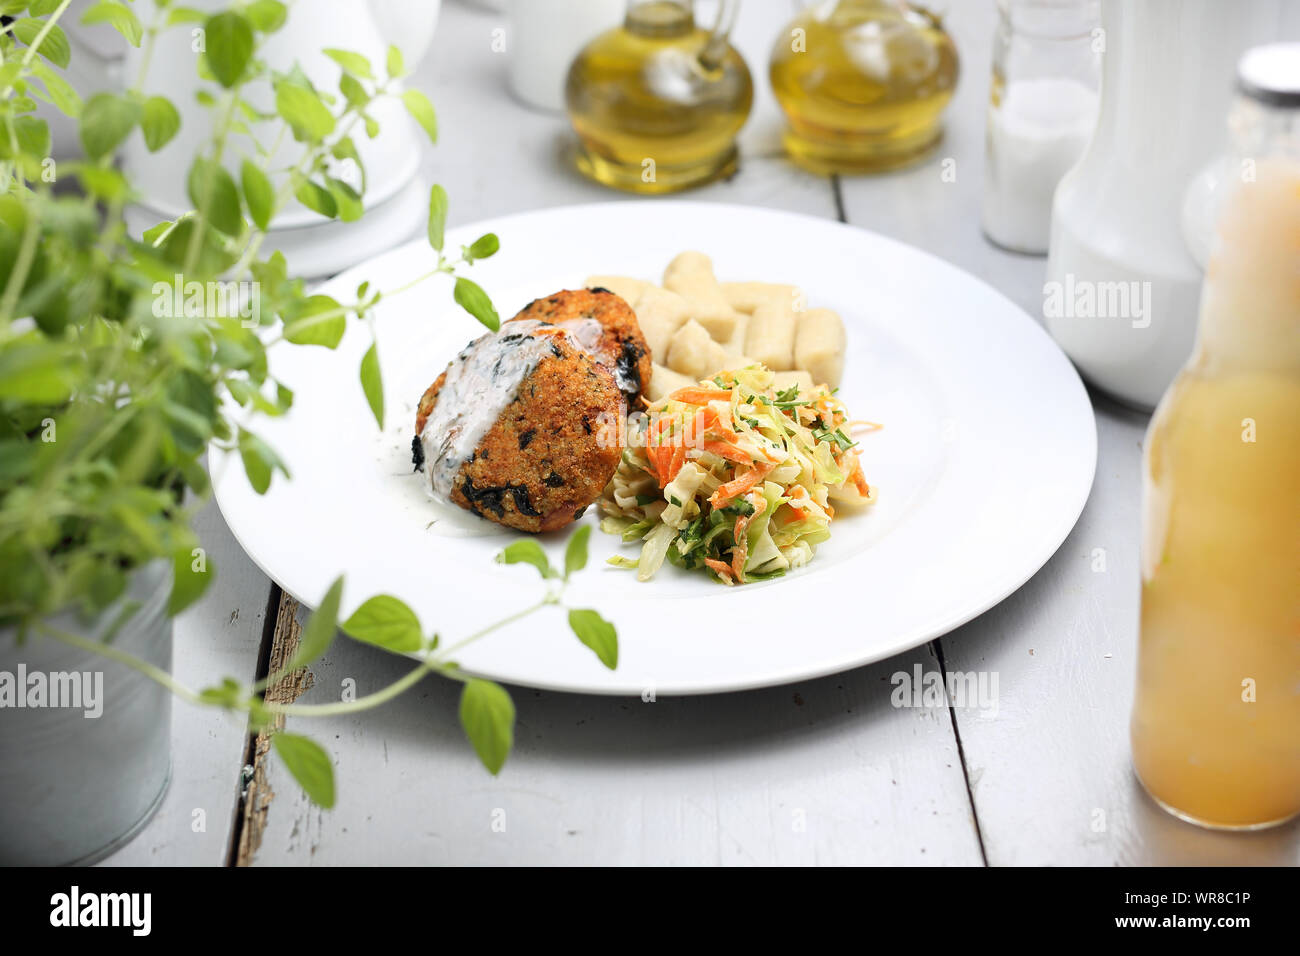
697, 326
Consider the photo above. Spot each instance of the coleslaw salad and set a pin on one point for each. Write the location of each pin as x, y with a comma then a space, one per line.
735, 476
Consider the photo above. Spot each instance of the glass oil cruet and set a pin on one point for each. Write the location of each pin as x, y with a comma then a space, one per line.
863, 84
657, 102
1216, 718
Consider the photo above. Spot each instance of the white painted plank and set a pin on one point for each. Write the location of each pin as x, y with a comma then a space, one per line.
1051, 774
824, 771
219, 636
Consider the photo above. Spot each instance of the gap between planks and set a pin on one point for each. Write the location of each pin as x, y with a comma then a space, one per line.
280, 640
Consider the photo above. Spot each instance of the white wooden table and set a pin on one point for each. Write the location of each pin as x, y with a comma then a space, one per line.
824, 771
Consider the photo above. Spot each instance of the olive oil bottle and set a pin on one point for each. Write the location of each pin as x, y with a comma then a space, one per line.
863, 84
657, 102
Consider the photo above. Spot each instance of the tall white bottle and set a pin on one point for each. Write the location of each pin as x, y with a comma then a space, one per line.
1122, 289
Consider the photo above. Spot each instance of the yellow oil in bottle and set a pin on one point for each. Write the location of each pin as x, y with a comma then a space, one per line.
863, 84
1216, 719
657, 102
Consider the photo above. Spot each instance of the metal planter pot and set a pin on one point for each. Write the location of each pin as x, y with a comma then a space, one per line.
73, 787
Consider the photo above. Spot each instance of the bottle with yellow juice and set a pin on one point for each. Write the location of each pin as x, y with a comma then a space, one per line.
1216, 718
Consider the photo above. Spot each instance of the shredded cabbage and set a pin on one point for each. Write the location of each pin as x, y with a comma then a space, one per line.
735, 476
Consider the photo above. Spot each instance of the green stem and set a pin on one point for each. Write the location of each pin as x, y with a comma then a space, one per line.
205, 201
518, 615
22, 265
368, 702
156, 674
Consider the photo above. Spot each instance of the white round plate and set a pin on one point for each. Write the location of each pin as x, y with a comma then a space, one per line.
983, 465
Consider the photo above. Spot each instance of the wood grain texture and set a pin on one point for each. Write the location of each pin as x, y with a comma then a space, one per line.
257, 795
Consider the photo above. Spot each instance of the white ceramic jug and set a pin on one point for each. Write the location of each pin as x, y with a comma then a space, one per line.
395, 200
1123, 289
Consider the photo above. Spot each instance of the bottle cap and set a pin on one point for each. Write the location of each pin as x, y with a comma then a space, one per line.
1271, 74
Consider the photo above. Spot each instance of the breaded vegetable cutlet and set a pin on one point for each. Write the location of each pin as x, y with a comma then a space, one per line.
520, 427
619, 344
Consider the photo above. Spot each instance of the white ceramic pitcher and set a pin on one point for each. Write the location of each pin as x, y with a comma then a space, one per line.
394, 197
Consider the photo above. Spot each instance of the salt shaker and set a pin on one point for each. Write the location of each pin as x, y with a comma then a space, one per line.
1042, 109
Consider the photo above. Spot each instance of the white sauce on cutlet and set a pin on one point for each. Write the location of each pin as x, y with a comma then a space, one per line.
481, 383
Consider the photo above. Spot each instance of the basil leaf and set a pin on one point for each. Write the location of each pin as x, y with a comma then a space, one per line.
597, 633
309, 764
211, 181
159, 122
318, 321
437, 216
421, 110
484, 247
317, 198
228, 46
372, 384
393, 62
347, 201
352, 90
259, 194
318, 634
58, 90
266, 15
188, 584
54, 47
122, 19
259, 461
353, 63
106, 120
387, 622
179, 15
488, 715
471, 297
308, 117
38, 374
575, 552
527, 551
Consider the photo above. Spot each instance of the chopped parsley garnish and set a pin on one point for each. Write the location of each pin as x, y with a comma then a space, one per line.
837, 437
739, 507
789, 395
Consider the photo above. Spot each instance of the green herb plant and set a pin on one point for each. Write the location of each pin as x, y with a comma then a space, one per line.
108, 402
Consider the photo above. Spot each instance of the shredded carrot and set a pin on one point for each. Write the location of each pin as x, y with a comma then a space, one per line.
707, 421
798, 493
728, 451
740, 553
720, 568
730, 491
861, 424
859, 479
660, 455
695, 395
